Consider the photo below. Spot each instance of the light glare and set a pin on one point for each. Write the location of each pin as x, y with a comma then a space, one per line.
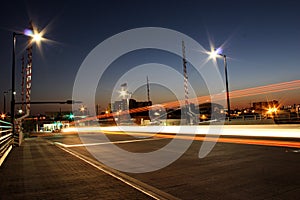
123, 93
37, 37
214, 53
28, 32
219, 51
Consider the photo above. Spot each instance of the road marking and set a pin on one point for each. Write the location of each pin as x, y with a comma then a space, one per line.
102, 143
132, 182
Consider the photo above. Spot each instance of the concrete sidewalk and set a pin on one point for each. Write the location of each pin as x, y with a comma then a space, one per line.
39, 170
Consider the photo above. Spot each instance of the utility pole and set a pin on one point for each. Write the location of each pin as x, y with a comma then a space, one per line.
148, 90
186, 91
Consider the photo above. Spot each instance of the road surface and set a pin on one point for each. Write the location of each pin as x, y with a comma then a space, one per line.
266, 168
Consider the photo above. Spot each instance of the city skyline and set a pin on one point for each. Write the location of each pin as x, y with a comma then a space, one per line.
261, 41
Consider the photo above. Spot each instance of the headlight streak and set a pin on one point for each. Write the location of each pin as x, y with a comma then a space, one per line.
271, 134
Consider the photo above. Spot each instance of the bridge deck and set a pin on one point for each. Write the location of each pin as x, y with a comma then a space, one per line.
40, 170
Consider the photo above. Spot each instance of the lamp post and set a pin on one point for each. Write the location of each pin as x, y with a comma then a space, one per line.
35, 37
214, 54
226, 82
12, 106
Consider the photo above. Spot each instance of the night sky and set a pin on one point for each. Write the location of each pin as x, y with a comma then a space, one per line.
260, 38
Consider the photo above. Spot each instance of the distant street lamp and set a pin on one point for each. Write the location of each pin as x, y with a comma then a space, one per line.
126, 96
214, 54
36, 37
20, 111
82, 109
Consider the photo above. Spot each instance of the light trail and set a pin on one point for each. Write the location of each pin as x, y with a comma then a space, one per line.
267, 130
274, 135
262, 142
272, 88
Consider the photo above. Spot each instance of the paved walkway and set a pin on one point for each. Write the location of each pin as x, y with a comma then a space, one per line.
39, 170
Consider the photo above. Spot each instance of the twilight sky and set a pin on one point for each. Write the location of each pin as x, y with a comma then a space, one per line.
261, 39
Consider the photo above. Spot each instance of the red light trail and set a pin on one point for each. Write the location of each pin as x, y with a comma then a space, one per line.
272, 88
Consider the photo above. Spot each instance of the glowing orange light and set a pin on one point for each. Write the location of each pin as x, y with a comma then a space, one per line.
3, 116
272, 110
203, 117
82, 108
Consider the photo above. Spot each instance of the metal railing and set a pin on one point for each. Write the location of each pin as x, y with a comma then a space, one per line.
247, 117
6, 140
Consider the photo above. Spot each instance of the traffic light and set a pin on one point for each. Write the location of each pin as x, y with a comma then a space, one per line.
71, 116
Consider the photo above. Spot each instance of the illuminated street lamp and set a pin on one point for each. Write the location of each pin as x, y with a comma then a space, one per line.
82, 109
126, 96
213, 55
36, 37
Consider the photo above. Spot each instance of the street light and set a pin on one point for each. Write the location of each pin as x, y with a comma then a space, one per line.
126, 96
213, 55
82, 109
36, 37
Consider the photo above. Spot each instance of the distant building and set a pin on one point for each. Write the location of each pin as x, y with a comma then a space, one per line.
119, 105
142, 115
136, 116
138, 104
264, 107
210, 111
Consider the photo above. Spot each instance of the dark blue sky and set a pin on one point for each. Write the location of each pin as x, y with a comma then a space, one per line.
262, 38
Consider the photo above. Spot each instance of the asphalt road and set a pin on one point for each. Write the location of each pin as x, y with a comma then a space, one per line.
40, 170
230, 171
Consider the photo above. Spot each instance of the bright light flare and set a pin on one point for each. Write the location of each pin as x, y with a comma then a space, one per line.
215, 53
34, 34
3, 115
37, 37
123, 93
28, 32
219, 51
272, 110
82, 108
